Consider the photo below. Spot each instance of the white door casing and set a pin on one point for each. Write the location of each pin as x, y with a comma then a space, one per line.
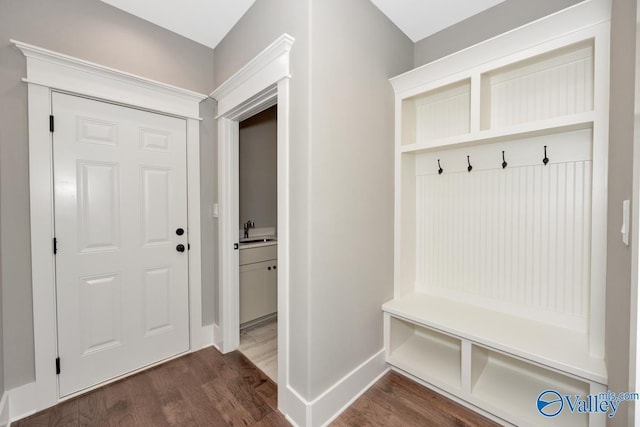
261, 83
48, 71
120, 196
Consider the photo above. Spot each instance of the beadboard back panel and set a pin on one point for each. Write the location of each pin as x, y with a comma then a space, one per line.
442, 113
553, 85
515, 239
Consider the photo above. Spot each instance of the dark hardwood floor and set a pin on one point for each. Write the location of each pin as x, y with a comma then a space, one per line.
207, 388
397, 401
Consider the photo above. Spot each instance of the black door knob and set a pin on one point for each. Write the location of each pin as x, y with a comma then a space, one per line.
180, 231
274, 267
268, 268
180, 248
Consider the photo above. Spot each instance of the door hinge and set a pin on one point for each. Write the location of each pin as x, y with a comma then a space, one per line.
57, 366
55, 246
235, 246
51, 123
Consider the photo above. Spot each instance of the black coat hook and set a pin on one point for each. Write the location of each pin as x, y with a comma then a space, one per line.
504, 162
546, 159
469, 163
439, 168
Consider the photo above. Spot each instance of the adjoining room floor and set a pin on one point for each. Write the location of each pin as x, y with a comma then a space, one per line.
260, 345
207, 388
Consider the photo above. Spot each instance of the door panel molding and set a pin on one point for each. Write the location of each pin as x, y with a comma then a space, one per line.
48, 71
118, 217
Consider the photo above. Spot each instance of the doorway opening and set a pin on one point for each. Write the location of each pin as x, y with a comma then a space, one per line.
258, 260
262, 83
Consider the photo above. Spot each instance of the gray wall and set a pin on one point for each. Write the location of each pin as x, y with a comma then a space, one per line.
209, 196
258, 169
355, 50
91, 30
341, 173
623, 34
485, 25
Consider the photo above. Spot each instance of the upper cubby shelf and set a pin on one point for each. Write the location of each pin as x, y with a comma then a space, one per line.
551, 91
548, 86
437, 115
523, 130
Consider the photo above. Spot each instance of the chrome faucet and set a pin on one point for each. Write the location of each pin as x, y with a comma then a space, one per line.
247, 226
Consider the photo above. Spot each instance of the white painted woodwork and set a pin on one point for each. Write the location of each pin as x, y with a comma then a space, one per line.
500, 273
122, 288
254, 80
66, 73
46, 71
480, 375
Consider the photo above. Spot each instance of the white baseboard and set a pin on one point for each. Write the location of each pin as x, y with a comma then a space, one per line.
217, 337
207, 337
26, 400
330, 404
298, 409
5, 415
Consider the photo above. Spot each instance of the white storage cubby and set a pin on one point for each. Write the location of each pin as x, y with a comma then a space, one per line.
500, 268
551, 85
507, 385
425, 353
440, 113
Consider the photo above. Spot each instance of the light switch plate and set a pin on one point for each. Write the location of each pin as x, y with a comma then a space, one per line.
626, 204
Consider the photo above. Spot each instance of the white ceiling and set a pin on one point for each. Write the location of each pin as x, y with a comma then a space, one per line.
421, 18
208, 21
203, 21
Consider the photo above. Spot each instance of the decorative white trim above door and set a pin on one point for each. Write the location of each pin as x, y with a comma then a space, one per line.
48, 71
57, 71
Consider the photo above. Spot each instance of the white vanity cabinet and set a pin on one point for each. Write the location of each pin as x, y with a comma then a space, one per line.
501, 158
258, 283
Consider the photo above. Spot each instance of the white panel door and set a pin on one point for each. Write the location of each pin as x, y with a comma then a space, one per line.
120, 198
